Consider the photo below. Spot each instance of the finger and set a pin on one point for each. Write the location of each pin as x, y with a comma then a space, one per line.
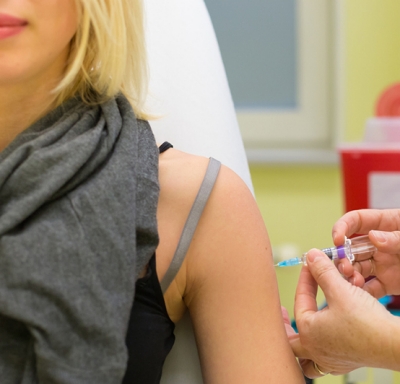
345, 267
388, 242
375, 288
290, 332
306, 294
357, 279
324, 273
350, 271
363, 220
347, 225
297, 348
365, 268
285, 315
309, 369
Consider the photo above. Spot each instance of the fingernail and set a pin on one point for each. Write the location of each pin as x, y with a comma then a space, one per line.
341, 268
351, 280
380, 236
334, 234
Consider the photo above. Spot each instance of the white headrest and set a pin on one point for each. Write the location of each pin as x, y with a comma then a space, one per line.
188, 84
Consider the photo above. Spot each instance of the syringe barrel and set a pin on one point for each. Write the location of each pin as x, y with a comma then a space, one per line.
361, 245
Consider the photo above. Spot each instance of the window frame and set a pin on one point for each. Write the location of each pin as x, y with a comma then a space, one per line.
310, 133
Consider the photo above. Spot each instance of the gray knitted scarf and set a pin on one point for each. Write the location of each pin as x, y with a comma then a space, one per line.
78, 197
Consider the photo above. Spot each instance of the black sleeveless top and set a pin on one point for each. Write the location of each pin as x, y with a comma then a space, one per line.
150, 334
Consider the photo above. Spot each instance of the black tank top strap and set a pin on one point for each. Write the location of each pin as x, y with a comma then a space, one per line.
164, 146
191, 222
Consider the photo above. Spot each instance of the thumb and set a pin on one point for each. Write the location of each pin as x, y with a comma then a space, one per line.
305, 303
298, 349
388, 242
323, 271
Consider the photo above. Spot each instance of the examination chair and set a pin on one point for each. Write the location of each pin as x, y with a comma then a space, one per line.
190, 95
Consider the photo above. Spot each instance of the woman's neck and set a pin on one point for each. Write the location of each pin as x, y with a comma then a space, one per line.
20, 106
24, 101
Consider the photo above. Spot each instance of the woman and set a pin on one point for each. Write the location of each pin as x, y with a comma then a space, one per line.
80, 220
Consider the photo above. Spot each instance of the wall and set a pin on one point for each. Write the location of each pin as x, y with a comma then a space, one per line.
372, 57
300, 204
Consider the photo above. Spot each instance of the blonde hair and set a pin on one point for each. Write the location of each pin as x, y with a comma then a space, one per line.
107, 54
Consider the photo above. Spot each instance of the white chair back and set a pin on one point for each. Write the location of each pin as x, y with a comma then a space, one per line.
189, 92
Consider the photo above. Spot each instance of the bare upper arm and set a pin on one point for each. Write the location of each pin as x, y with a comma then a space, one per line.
180, 176
229, 284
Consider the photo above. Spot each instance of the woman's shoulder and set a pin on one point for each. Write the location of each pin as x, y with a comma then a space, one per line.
180, 172
181, 175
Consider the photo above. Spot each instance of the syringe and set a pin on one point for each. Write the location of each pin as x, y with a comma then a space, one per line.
351, 247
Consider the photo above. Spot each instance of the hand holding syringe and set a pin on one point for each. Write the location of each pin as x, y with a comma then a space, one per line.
350, 248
